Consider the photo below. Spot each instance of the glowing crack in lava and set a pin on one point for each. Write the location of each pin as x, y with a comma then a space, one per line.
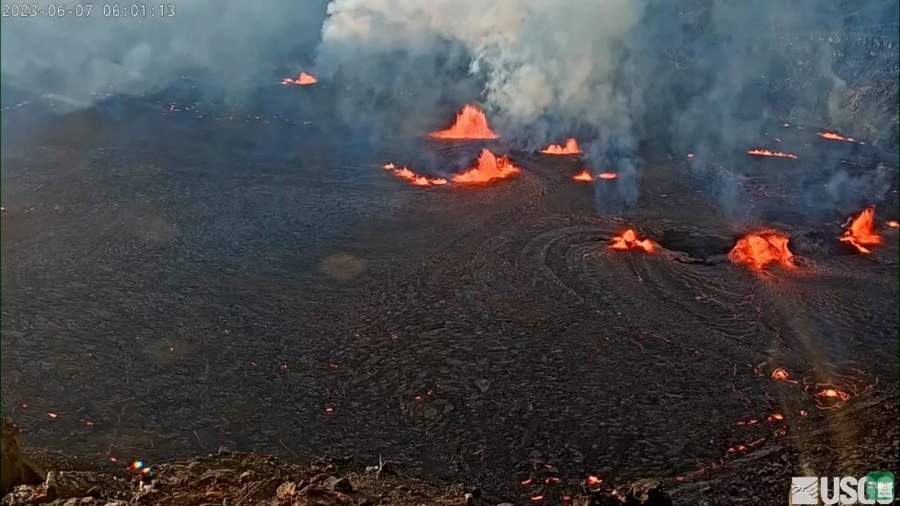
758, 250
570, 148
303, 79
470, 123
583, 177
629, 241
413, 178
861, 231
834, 136
489, 168
760, 152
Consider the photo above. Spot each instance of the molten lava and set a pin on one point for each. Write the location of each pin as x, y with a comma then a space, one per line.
571, 148
892, 224
303, 79
829, 397
629, 241
861, 231
488, 168
607, 175
760, 249
834, 136
583, 177
470, 123
781, 374
413, 178
765, 152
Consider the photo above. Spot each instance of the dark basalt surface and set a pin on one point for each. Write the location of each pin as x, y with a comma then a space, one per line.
179, 281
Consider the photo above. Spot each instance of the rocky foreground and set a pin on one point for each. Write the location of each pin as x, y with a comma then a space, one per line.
250, 479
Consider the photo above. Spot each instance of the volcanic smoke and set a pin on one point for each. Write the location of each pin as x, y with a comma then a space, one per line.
861, 232
570, 148
760, 152
303, 79
629, 241
488, 168
470, 123
760, 249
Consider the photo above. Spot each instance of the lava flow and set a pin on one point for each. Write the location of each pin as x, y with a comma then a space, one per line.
303, 79
470, 123
765, 152
583, 177
757, 250
413, 178
834, 136
829, 397
861, 231
489, 168
571, 148
629, 241
607, 175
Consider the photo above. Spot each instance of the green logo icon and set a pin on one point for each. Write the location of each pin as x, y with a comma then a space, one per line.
880, 486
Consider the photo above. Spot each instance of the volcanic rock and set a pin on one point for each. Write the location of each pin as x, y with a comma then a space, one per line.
16, 470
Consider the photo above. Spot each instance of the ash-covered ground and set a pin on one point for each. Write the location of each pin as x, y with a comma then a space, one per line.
179, 276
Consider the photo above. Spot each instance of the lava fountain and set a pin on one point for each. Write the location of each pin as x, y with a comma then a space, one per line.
761, 152
413, 178
583, 177
861, 231
303, 79
758, 250
570, 148
629, 241
470, 123
488, 168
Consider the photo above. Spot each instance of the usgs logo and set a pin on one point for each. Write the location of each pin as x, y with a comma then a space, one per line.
875, 488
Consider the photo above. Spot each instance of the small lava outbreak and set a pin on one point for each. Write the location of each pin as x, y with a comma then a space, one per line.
413, 178
759, 249
471, 123
303, 79
860, 232
583, 177
629, 241
570, 148
762, 153
834, 136
489, 168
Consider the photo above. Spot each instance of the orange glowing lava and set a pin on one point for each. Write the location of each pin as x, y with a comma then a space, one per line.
571, 148
470, 123
592, 481
583, 177
892, 224
760, 249
413, 178
861, 231
781, 374
303, 79
834, 136
489, 168
775, 417
828, 397
607, 175
629, 241
766, 152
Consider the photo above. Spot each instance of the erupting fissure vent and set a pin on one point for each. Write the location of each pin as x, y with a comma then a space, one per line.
629, 241
303, 79
861, 233
413, 178
758, 250
489, 168
470, 123
570, 148
761, 152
